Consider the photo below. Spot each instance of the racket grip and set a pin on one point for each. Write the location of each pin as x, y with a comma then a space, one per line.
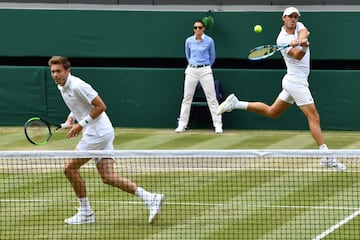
63, 125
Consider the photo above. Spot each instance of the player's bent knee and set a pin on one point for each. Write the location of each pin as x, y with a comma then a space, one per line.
108, 180
273, 115
68, 171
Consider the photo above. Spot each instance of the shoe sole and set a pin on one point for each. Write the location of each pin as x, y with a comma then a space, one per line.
86, 222
89, 221
220, 109
180, 131
342, 168
156, 216
335, 168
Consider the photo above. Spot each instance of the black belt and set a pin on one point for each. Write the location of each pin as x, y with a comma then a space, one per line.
198, 66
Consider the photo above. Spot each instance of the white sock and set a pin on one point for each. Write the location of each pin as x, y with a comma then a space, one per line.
323, 147
242, 105
84, 203
142, 194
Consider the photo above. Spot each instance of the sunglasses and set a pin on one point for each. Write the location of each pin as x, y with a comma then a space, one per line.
198, 27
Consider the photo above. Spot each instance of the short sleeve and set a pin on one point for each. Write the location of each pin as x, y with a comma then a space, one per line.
87, 92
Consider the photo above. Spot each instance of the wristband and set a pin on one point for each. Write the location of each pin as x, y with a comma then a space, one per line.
64, 125
85, 121
304, 49
71, 115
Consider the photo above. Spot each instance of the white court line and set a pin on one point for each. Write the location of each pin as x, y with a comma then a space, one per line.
337, 225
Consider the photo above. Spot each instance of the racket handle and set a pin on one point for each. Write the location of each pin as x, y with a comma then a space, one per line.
63, 125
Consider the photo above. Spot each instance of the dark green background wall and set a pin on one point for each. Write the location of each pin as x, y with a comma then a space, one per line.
161, 34
150, 97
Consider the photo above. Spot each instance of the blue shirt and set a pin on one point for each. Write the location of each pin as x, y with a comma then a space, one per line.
200, 52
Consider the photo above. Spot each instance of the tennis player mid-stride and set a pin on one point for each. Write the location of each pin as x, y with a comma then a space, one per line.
88, 109
295, 83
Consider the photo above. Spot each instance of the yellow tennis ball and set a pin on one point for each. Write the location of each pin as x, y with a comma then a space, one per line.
257, 28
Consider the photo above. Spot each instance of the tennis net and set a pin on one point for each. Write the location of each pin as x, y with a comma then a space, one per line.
209, 194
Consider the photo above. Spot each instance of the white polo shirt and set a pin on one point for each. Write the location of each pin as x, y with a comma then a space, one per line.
77, 95
295, 68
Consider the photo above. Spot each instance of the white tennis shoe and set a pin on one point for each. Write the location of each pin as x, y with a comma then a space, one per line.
180, 129
333, 163
82, 217
228, 105
218, 129
154, 206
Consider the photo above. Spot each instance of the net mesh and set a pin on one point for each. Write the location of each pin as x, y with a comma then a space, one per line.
209, 194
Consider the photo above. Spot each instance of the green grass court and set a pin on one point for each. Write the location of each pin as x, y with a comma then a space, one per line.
128, 139
266, 199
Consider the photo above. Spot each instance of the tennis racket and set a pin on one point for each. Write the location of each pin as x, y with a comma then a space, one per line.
264, 51
38, 131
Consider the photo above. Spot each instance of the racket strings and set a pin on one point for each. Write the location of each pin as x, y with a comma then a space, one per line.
261, 52
38, 132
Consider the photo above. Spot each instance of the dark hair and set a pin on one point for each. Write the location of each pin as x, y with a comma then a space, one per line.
60, 60
199, 21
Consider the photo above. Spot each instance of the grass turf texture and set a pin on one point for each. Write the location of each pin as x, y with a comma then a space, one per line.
283, 203
205, 205
13, 138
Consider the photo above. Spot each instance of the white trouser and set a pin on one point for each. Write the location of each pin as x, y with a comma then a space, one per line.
203, 75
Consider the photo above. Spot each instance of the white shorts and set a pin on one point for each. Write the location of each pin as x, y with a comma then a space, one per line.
94, 142
296, 90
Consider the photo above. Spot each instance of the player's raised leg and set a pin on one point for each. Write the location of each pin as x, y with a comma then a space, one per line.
273, 111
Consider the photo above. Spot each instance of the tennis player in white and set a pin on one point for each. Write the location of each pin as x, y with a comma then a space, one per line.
88, 109
295, 83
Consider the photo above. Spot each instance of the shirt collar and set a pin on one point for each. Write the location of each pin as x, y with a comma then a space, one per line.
67, 83
284, 30
202, 36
